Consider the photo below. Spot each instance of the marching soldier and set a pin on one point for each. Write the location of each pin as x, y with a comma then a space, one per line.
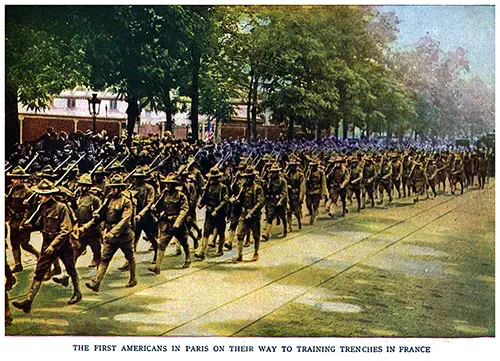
88, 233
442, 172
276, 196
235, 208
397, 172
356, 180
385, 179
215, 198
16, 210
251, 199
338, 180
296, 191
482, 169
53, 219
369, 175
418, 179
432, 172
316, 188
116, 214
172, 208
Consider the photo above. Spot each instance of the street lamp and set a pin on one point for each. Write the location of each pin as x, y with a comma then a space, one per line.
94, 107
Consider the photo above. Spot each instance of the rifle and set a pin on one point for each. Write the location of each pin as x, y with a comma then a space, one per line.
30, 163
160, 164
59, 181
112, 161
220, 162
154, 160
130, 174
124, 159
95, 168
34, 215
63, 163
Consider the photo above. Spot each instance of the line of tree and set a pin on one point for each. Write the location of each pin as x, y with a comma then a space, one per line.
314, 67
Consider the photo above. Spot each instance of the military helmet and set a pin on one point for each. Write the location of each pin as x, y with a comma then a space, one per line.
214, 173
116, 181
18, 172
116, 166
45, 187
141, 172
47, 172
170, 178
85, 180
274, 168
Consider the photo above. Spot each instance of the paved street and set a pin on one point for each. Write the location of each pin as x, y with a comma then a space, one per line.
423, 270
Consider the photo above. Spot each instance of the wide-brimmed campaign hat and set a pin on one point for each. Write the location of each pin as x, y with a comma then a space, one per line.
116, 181
45, 187
170, 178
214, 173
85, 180
18, 172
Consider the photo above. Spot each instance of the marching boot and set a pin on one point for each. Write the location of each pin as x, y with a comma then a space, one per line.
203, 250
63, 280
267, 230
77, 295
16, 254
220, 248
285, 229
124, 267
299, 220
96, 281
229, 244
289, 221
159, 259
187, 261
25, 305
239, 256
132, 280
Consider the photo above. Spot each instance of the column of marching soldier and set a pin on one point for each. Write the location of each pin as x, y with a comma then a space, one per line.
109, 209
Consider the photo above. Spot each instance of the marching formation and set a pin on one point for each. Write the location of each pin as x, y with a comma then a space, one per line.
86, 191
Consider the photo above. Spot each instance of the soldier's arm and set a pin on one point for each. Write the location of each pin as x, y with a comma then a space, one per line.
283, 193
150, 200
124, 222
65, 227
302, 189
183, 212
324, 189
259, 200
347, 177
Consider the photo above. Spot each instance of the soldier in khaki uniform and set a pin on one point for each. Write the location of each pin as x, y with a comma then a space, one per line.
418, 179
385, 180
53, 220
172, 208
356, 180
369, 175
337, 181
235, 208
397, 172
296, 192
144, 195
215, 198
251, 199
16, 212
91, 235
316, 188
432, 172
116, 213
276, 198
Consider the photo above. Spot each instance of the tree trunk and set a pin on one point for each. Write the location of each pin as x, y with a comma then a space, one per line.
133, 112
345, 126
249, 108
254, 107
195, 95
12, 125
169, 124
337, 129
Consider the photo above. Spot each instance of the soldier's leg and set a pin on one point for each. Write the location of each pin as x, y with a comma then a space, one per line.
108, 251
270, 216
381, 193
128, 251
342, 194
15, 246
25, 237
67, 258
255, 226
164, 239
95, 246
357, 193
221, 231
181, 236
42, 267
388, 189
433, 188
289, 214
282, 216
241, 232
208, 229
151, 231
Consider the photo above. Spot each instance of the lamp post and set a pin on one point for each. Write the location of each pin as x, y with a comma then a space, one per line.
94, 107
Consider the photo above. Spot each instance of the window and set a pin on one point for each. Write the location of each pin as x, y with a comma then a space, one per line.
113, 104
71, 103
